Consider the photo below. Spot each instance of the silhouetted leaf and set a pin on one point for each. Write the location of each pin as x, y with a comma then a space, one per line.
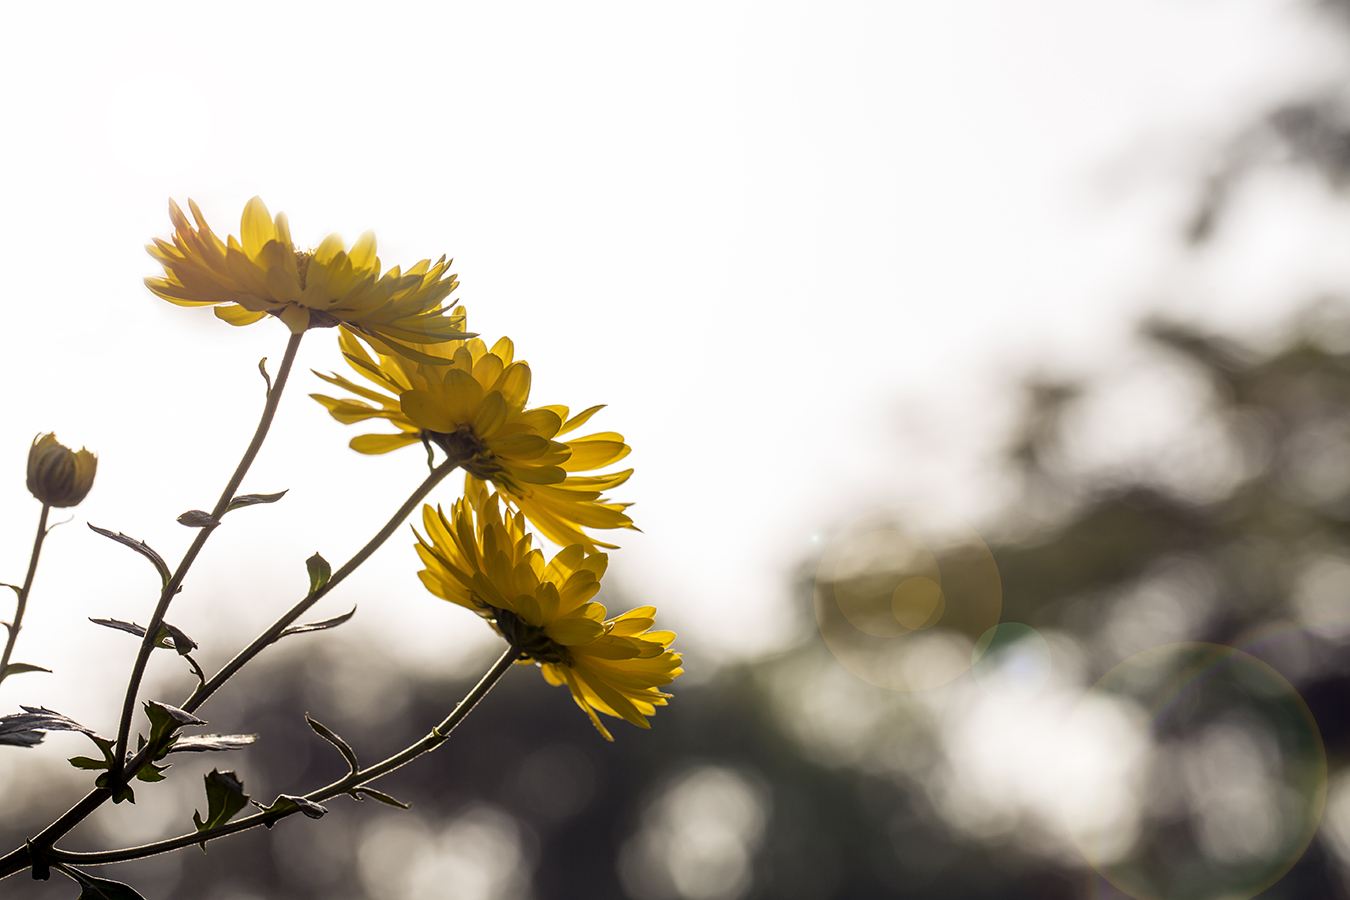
290, 801
197, 518
27, 728
319, 626
333, 738
99, 888
140, 547
20, 668
166, 719
224, 798
254, 499
381, 796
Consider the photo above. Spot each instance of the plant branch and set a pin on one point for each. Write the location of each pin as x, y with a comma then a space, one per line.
22, 604
347, 785
117, 775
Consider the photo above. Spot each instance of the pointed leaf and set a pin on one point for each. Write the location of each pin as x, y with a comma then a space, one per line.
165, 720
319, 626
99, 888
319, 572
254, 499
224, 798
20, 668
381, 796
289, 801
333, 738
140, 547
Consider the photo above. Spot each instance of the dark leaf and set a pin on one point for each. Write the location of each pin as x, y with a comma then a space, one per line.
99, 888
201, 743
380, 796
150, 773
286, 802
140, 547
88, 762
224, 798
319, 572
27, 728
332, 737
166, 719
169, 637
197, 518
319, 626
254, 499
123, 794
20, 668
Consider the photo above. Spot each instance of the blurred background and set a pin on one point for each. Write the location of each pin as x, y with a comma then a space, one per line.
986, 368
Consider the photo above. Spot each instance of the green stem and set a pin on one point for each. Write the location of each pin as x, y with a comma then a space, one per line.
22, 605
347, 785
205, 690
116, 777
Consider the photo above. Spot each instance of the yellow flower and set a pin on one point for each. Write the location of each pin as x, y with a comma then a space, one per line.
261, 272
471, 403
57, 475
476, 558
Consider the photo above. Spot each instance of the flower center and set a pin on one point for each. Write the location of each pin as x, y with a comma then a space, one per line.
529, 639
302, 258
463, 445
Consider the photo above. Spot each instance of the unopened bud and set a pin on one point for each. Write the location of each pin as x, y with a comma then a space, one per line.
57, 475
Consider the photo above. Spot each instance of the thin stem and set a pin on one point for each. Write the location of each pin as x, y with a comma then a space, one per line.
204, 691
175, 582
22, 605
19, 859
347, 785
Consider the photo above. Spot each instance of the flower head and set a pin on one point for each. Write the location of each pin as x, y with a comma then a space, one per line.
472, 404
57, 475
262, 272
483, 561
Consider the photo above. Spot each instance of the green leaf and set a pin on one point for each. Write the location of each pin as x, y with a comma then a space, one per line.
99, 888
20, 668
140, 547
202, 743
381, 796
318, 626
169, 637
151, 773
88, 762
198, 518
224, 798
319, 572
254, 499
165, 720
123, 794
333, 738
27, 728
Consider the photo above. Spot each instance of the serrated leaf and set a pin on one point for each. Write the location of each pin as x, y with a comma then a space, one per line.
288, 801
202, 743
319, 572
140, 547
318, 626
254, 499
27, 728
100, 888
333, 738
198, 518
224, 798
20, 668
381, 796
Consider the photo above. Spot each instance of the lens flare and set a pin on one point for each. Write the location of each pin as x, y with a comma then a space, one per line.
900, 613
1238, 776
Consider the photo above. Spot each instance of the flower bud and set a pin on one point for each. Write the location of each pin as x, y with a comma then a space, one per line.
57, 475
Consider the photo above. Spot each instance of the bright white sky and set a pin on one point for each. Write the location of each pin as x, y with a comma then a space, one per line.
795, 246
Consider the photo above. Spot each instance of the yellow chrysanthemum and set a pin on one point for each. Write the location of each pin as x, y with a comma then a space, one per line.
261, 272
476, 558
472, 404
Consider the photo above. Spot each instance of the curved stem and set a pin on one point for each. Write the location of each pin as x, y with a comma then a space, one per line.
347, 785
20, 858
22, 604
175, 582
205, 690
